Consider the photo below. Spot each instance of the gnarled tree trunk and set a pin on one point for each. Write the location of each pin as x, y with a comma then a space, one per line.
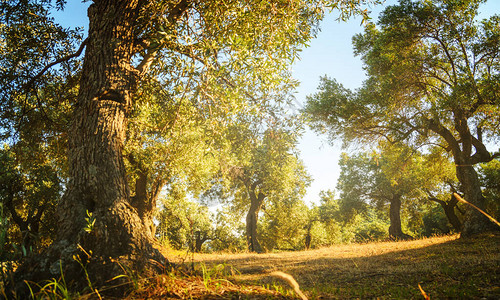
474, 222
97, 182
144, 200
449, 211
465, 159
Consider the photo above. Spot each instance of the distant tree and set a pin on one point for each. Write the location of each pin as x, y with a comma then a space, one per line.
391, 175
322, 224
339, 222
433, 79
282, 224
229, 232
262, 166
184, 223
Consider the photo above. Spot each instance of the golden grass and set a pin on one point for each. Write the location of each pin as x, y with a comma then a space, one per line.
433, 268
444, 267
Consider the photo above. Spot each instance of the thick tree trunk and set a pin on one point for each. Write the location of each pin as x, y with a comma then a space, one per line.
395, 230
97, 181
474, 222
200, 239
465, 159
251, 222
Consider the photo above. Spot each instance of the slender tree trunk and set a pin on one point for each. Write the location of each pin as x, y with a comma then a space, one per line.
199, 240
308, 237
97, 183
251, 222
395, 230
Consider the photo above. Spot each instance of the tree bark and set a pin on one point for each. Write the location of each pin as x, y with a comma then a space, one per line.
474, 222
97, 177
308, 237
395, 230
252, 219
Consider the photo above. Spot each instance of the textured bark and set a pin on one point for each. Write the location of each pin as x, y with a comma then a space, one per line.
395, 230
256, 202
97, 181
474, 222
465, 159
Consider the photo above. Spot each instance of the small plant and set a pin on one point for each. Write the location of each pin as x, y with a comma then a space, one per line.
90, 219
130, 275
216, 274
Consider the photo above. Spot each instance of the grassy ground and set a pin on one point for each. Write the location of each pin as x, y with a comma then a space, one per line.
445, 267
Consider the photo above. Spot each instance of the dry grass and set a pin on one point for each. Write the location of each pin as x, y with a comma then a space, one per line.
445, 267
440, 267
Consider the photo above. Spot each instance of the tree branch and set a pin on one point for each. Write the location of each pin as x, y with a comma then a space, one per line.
482, 154
58, 61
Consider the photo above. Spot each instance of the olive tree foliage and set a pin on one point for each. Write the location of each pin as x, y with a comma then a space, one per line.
34, 114
490, 179
169, 143
433, 79
282, 224
332, 222
259, 167
183, 223
441, 166
35, 100
29, 189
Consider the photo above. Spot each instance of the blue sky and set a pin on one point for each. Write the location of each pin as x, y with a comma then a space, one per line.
329, 54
